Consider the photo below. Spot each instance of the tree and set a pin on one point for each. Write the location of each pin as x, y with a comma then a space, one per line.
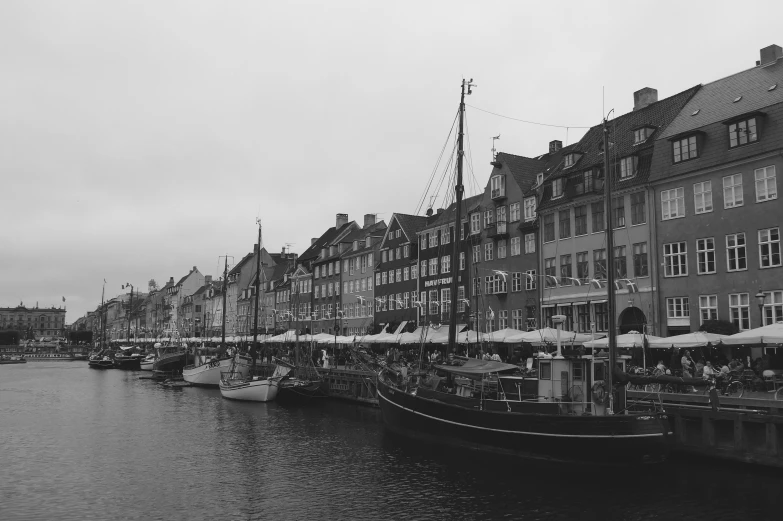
152, 285
718, 327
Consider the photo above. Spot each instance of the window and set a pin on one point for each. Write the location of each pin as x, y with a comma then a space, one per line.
530, 243
736, 254
317, 271
397, 253
640, 135
423, 241
672, 203
530, 280
433, 239
620, 264
414, 272
391, 277
677, 307
475, 223
500, 214
461, 299
398, 273
498, 186
732, 191
445, 301
705, 255
702, 197
582, 266
569, 160
434, 302
675, 259
597, 210
476, 253
364, 263
330, 288
773, 307
502, 249
618, 212
331, 268
545, 370
530, 208
516, 248
346, 289
445, 264
445, 236
384, 256
516, 281
557, 188
391, 302
405, 274
424, 268
565, 223
685, 149
742, 133
580, 220
488, 251
640, 264
769, 248
517, 319
549, 227
513, 210
502, 319
638, 212
462, 260
316, 294
550, 270
599, 263
739, 309
489, 218
433, 266
766, 185
565, 270
406, 251
601, 311
628, 166
708, 307
582, 318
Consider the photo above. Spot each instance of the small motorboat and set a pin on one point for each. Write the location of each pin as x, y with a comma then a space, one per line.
101, 362
4, 359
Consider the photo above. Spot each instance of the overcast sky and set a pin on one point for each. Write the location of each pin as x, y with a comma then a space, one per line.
139, 139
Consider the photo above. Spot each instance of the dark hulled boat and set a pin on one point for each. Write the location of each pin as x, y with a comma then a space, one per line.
295, 391
170, 360
101, 360
130, 362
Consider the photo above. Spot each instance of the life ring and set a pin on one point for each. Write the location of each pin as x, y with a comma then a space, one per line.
600, 396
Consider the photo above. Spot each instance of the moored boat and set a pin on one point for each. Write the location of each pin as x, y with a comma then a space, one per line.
208, 370
101, 361
12, 360
253, 389
148, 362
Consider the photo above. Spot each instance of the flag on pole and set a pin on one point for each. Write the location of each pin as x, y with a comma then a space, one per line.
491, 314
552, 279
618, 285
631, 285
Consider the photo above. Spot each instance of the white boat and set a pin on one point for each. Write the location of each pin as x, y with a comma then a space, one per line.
148, 362
207, 370
254, 389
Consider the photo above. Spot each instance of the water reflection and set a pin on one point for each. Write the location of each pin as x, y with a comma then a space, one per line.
86, 444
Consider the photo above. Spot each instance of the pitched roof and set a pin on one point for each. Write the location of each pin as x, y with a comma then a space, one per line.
324, 240
410, 224
715, 101
448, 215
621, 136
241, 263
523, 169
361, 234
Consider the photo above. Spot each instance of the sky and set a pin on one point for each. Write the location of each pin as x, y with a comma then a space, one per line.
140, 139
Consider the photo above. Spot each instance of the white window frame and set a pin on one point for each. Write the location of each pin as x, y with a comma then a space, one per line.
677, 307
530, 208
502, 248
489, 251
516, 246
498, 186
675, 197
628, 166
530, 243
678, 251
769, 247
736, 252
702, 197
772, 311
767, 183
733, 196
475, 223
513, 212
530, 282
708, 308
739, 310
705, 254
476, 253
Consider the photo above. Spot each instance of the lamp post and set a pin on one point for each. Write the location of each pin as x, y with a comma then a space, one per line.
760, 298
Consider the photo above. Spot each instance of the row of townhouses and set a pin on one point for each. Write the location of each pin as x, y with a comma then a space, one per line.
694, 210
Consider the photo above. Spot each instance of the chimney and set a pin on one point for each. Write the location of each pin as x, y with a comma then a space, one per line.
770, 55
429, 212
255, 248
171, 280
342, 220
313, 240
644, 97
207, 279
440, 211
369, 219
555, 146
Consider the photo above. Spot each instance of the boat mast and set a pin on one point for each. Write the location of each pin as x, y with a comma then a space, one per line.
130, 310
258, 280
458, 190
225, 289
610, 287
103, 321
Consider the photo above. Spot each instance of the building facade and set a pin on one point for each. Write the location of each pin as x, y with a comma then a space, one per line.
358, 258
33, 323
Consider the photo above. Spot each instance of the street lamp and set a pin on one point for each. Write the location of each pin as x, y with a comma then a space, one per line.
760, 298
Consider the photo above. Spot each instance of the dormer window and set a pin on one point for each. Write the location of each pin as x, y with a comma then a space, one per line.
570, 159
628, 167
557, 188
743, 132
539, 178
640, 135
583, 182
367, 242
684, 149
498, 186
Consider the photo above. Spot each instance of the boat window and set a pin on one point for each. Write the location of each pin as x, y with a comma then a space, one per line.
545, 371
579, 371
599, 371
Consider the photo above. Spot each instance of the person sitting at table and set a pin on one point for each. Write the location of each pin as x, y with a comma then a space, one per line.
659, 369
725, 370
708, 371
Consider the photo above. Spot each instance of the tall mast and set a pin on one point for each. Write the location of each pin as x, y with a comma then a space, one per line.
225, 289
103, 322
610, 287
130, 310
458, 190
258, 280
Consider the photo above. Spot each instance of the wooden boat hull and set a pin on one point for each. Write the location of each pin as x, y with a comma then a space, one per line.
604, 440
256, 390
147, 363
171, 363
294, 391
101, 364
132, 363
208, 375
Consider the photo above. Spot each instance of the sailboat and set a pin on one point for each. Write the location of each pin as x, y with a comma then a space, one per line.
101, 359
480, 404
236, 384
206, 370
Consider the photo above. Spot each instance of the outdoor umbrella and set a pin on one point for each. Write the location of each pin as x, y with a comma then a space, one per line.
627, 340
771, 334
689, 340
500, 336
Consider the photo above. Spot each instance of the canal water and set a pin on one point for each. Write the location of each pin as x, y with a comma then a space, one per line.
78, 443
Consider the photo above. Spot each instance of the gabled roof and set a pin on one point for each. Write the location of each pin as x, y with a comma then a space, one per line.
621, 137
409, 224
376, 230
328, 237
715, 101
523, 169
240, 264
447, 216
201, 290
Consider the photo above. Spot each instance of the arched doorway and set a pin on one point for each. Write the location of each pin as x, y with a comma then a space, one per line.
632, 319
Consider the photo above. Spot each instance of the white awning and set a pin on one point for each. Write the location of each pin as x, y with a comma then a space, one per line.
548, 305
